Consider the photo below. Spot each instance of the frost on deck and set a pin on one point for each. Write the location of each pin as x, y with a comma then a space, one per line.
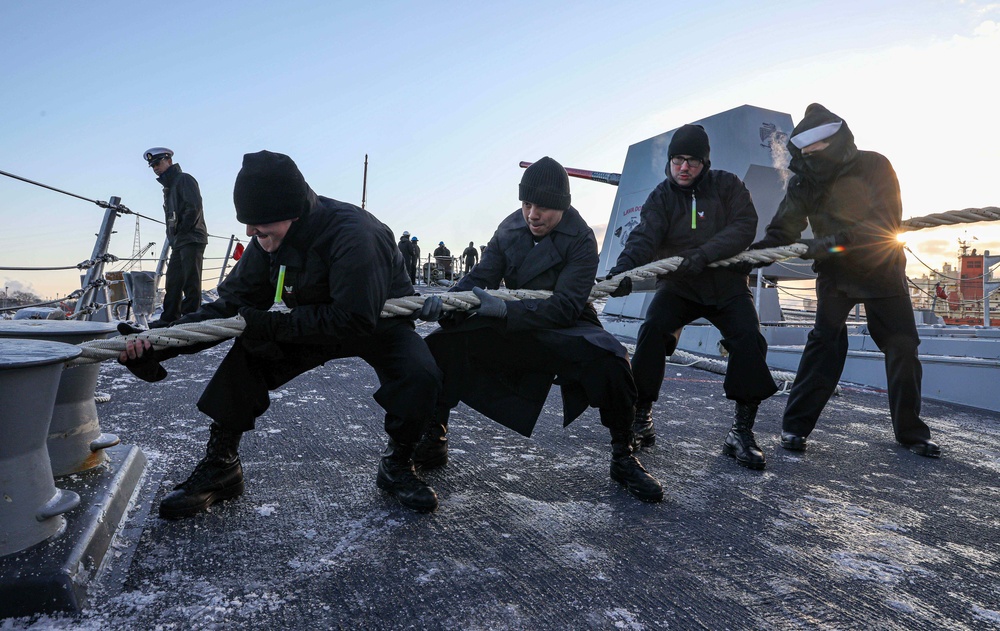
532, 534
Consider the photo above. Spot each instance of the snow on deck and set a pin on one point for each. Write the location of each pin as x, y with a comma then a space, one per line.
532, 534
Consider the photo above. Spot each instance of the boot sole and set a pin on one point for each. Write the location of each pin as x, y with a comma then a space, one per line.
654, 498
731, 452
227, 493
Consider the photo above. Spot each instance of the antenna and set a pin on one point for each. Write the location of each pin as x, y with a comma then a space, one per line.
364, 185
136, 254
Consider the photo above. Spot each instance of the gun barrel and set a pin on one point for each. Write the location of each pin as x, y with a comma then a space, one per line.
597, 176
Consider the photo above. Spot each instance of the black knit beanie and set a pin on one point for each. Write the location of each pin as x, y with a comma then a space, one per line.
689, 140
269, 188
545, 183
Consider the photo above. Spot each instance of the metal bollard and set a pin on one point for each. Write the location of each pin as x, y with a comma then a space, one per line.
31, 507
75, 440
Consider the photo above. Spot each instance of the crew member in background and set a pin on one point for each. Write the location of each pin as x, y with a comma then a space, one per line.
186, 234
470, 257
701, 215
442, 255
416, 260
339, 265
406, 249
501, 357
851, 200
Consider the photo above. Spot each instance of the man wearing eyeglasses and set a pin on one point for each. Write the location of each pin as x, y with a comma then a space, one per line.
851, 200
186, 234
701, 215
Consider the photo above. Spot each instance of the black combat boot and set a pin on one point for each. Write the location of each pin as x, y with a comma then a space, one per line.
626, 469
642, 426
219, 476
397, 476
740, 442
431, 450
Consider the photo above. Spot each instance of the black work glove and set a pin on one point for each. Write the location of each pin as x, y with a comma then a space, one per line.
432, 309
624, 286
765, 243
693, 264
489, 305
261, 325
819, 249
127, 328
743, 267
147, 367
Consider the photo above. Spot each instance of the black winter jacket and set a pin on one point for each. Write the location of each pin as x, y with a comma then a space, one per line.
182, 208
342, 264
859, 207
724, 224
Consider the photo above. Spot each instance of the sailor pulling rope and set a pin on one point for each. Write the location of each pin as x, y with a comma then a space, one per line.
212, 330
224, 328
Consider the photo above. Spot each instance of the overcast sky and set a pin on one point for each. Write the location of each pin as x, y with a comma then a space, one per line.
447, 97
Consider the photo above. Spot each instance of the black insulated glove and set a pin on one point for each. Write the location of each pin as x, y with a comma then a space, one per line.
693, 264
489, 305
819, 249
624, 287
261, 325
147, 367
432, 309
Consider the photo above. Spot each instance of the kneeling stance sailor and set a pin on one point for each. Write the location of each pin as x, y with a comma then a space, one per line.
339, 265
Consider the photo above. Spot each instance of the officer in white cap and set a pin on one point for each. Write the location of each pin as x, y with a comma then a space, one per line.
416, 259
186, 234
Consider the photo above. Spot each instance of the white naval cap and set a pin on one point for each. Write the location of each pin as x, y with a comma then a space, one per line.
157, 153
820, 132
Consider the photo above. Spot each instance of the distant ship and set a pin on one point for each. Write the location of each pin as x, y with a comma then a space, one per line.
955, 295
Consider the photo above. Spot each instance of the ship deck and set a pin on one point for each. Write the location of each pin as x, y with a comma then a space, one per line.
856, 532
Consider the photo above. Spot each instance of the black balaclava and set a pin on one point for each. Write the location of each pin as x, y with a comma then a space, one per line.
822, 166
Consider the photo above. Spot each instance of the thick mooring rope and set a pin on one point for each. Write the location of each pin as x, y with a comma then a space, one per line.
212, 330
224, 328
951, 218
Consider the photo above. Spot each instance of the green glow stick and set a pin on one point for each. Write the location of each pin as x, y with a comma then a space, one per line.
281, 284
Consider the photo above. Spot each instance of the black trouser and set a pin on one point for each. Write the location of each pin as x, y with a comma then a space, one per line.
748, 379
183, 278
892, 328
408, 377
601, 377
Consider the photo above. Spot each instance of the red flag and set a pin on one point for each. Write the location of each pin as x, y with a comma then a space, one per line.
238, 252
940, 292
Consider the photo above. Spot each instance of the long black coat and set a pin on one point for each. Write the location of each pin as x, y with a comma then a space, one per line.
859, 206
564, 262
182, 208
724, 225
